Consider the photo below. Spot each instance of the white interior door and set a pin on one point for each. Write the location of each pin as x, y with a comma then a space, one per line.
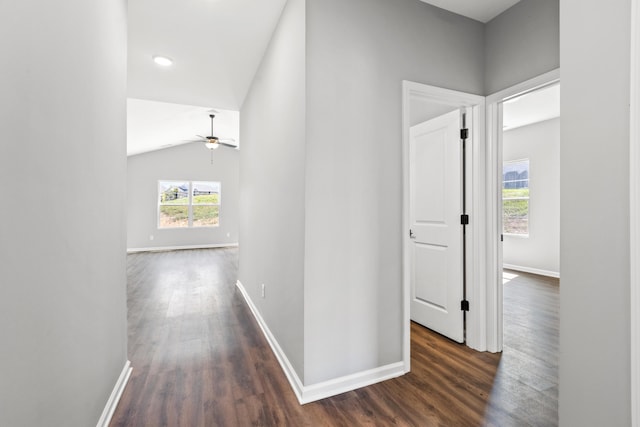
435, 206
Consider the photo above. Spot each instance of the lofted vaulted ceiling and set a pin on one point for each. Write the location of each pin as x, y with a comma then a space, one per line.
216, 46
480, 10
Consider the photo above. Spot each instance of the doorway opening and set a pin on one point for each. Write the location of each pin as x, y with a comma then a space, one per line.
523, 234
422, 104
530, 182
518, 202
530, 196
530, 199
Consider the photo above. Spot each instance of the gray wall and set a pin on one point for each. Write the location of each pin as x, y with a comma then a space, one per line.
189, 162
521, 43
358, 53
272, 195
325, 148
62, 236
594, 225
540, 143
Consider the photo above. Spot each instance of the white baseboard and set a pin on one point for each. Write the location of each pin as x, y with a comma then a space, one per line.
178, 248
351, 382
291, 374
116, 394
307, 394
531, 270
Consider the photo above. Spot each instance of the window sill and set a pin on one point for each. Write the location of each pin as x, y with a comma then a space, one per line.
517, 236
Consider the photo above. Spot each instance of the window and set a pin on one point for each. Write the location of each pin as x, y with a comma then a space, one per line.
183, 204
515, 197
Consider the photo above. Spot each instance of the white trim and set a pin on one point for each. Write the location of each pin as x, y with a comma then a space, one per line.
307, 394
517, 236
179, 248
493, 247
493, 228
290, 373
116, 394
475, 331
634, 203
532, 270
530, 85
351, 382
476, 234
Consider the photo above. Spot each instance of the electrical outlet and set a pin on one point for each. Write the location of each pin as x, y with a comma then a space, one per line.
151, 237
263, 290
228, 234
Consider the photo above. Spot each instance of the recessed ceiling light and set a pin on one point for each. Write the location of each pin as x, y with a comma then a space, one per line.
163, 60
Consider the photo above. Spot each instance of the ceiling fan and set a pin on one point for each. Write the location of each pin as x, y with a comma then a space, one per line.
213, 142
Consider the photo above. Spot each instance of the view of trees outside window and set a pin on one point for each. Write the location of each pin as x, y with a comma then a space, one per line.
515, 197
188, 204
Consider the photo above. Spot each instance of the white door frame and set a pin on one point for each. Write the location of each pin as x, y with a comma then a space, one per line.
493, 248
475, 207
634, 205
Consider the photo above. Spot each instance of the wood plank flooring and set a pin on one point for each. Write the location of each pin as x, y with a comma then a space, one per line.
199, 359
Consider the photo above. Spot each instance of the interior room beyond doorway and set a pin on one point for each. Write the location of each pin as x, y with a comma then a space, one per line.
531, 182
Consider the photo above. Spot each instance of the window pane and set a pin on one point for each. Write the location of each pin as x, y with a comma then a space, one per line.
515, 218
174, 193
510, 193
206, 193
174, 216
515, 197
204, 216
515, 174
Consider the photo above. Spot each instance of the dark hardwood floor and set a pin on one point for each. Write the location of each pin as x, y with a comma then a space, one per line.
199, 359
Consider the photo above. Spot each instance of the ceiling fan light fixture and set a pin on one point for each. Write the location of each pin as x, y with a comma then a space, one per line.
163, 61
212, 142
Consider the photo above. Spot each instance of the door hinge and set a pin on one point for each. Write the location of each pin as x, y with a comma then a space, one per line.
502, 237
464, 305
464, 133
464, 219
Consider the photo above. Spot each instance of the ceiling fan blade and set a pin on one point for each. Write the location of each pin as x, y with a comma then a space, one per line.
227, 144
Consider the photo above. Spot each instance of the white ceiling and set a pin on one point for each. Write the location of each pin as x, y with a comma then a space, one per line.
480, 10
217, 46
153, 125
533, 107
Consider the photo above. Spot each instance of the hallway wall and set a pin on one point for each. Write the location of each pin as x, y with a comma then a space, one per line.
521, 43
353, 174
594, 225
63, 307
272, 159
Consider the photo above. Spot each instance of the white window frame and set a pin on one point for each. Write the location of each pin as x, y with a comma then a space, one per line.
528, 198
189, 204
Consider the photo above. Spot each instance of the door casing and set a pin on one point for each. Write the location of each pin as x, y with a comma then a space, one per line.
634, 216
475, 106
493, 243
